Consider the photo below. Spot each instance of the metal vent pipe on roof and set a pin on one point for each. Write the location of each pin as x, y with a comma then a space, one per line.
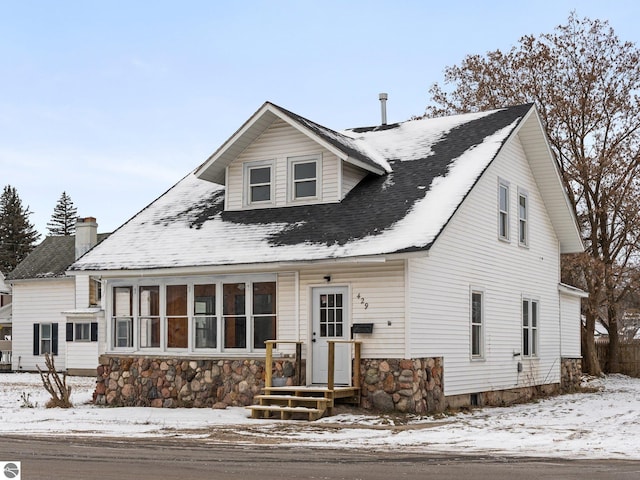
383, 107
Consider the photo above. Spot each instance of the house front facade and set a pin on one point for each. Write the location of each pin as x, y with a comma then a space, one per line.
434, 243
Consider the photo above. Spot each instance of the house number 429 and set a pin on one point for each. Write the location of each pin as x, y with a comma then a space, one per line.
362, 301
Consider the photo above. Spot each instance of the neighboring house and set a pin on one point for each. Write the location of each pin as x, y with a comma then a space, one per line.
5, 325
437, 241
54, 313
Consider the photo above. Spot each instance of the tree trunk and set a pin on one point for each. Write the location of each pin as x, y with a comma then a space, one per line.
590, 363
614, 342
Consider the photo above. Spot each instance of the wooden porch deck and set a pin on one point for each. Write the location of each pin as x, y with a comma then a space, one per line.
307, 401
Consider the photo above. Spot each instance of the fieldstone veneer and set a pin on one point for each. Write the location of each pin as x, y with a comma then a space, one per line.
177, 382
412, 385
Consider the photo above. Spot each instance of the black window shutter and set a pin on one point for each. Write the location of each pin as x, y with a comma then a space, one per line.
94, 331
69, 332
36, 339
54, 338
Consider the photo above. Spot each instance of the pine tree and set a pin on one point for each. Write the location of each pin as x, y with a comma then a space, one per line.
17, 235
63, 220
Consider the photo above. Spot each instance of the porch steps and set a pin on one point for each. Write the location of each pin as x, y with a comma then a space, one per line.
309, 402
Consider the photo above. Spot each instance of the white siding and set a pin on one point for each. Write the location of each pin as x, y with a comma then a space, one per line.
82, 355
381, 286
279, 142
351, 176
570, 326
469, 255
39, 302
82, 291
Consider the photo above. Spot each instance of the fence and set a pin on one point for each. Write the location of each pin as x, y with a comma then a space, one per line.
629, 357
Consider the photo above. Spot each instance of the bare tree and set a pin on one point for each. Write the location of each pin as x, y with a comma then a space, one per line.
585, 83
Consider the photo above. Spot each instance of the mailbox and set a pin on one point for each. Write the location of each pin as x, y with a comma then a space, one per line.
361, 328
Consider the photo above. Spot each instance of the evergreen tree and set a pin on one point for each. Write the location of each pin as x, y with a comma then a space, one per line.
17, 235
63, 219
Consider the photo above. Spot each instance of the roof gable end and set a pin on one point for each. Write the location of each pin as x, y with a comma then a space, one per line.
213, 169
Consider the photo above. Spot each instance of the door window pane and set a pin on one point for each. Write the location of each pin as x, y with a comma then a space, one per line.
331, 315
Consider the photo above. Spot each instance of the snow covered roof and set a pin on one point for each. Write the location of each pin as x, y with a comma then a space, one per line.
340, 145
50, 259
431, 166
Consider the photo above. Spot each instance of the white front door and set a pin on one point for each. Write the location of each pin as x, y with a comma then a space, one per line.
330, 321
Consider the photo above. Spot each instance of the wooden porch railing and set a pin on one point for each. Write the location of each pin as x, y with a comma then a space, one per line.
268, 374
355, 378
331, 354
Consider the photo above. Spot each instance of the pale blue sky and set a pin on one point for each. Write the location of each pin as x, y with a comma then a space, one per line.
113, 102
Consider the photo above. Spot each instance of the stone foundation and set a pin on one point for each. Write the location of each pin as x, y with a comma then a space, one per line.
570, 374
406, 386
178, 382
388, 385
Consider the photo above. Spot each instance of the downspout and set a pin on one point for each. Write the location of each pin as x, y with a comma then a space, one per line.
297, 304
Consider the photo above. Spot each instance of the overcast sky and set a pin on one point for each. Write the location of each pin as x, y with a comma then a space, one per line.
114, 102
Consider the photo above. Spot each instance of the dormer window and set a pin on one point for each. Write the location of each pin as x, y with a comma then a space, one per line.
259, 181
304, 177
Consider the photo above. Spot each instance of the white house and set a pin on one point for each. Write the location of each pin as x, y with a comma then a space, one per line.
436, 241
54, 313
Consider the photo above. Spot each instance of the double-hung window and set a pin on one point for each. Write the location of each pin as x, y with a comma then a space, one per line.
503, 210
82, 332
477, 324
122, 334
204, 316
530, 313
258, 182
177, 322
523, 218
264, 313
304, 177
149, 316
45, 338
234, 317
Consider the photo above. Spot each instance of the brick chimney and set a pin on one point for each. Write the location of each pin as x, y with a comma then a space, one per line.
86, 235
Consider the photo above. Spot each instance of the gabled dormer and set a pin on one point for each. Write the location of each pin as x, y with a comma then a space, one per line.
280, 159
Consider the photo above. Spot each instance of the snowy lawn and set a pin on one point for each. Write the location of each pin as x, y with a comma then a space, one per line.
603, 424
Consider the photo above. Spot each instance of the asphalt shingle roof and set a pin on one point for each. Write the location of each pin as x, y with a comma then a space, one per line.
433, 163
50, 259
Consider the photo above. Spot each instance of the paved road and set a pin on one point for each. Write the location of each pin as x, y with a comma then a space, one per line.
160, 459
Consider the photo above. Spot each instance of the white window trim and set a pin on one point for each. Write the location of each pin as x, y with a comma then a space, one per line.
291, 162
248, 280
75, 331
532, 342
246, 169
506, 185
481, 292
49, 339
523, 194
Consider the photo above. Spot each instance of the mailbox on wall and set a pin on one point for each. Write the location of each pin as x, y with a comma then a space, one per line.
361, 328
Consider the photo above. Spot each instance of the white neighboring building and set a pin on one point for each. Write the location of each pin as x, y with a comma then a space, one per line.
54, 313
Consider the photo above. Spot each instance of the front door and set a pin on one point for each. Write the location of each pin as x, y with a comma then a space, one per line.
330, 322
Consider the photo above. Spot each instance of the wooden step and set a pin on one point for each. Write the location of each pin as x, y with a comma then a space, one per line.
293, 400
265, 411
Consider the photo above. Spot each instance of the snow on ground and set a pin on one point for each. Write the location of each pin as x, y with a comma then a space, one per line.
602, 424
